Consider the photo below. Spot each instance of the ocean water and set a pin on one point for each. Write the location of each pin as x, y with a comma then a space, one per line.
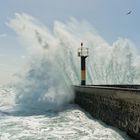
37, 106
30, 123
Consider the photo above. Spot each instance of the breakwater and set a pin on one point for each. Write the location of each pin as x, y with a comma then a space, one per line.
116, 105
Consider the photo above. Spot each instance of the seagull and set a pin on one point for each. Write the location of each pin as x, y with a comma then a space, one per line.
129, 13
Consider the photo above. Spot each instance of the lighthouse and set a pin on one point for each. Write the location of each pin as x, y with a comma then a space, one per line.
83, 53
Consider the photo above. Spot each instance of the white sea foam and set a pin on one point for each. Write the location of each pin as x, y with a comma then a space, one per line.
54, 65
70, 123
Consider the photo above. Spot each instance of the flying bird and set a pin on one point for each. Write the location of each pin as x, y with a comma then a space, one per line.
128, 13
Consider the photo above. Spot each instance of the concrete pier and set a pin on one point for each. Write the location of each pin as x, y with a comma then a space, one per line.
116, 105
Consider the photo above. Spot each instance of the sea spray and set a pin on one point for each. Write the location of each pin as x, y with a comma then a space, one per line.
54, 65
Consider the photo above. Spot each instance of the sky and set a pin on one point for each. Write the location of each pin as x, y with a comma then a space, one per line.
108, 17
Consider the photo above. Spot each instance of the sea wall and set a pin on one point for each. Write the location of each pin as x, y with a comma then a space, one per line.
118, 106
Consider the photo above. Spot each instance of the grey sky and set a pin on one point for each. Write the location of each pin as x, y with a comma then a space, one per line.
108, 17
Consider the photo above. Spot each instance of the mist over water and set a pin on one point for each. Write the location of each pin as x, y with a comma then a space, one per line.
54, 66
